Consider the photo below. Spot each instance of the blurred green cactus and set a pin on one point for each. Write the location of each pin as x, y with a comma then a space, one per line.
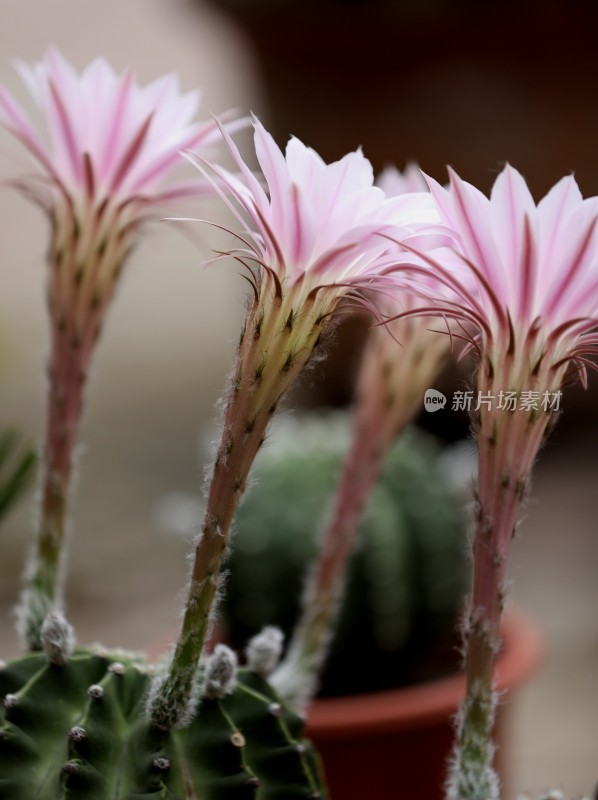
78, 730
407, 578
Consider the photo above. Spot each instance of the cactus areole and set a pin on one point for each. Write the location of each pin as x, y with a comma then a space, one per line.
79, 731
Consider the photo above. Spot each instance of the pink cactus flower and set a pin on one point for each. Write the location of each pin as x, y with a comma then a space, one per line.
401, 359
395, 182
530, 310
98, 172
310, 244
316, 224
110, 141
535, 266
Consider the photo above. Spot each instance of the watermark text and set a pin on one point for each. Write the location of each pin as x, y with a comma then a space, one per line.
489, 401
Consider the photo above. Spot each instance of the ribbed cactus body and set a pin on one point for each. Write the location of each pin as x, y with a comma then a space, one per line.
79, 732
406, 581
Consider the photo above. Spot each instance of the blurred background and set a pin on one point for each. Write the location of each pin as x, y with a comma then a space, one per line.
445, 81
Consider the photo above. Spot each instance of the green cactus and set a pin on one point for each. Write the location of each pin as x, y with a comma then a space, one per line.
78, 730
406, 581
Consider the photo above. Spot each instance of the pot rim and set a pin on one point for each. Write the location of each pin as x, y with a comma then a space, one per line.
431, 702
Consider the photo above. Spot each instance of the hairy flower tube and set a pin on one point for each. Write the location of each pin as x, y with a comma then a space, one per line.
98, 179
308, 243
400, 361
531, 315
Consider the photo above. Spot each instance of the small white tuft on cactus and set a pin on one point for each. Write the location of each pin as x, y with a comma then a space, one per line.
275, 709
117, 668
58, 638
264, 650
161, 763
77, 733
220, 676
70, 767
95, 692
10, 700
296, 685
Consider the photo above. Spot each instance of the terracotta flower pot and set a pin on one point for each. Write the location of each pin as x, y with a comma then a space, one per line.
395, 744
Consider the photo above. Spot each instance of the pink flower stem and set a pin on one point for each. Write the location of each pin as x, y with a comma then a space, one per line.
84, 267
298, 675
65, 398
508, 443
390, 391
273, 349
